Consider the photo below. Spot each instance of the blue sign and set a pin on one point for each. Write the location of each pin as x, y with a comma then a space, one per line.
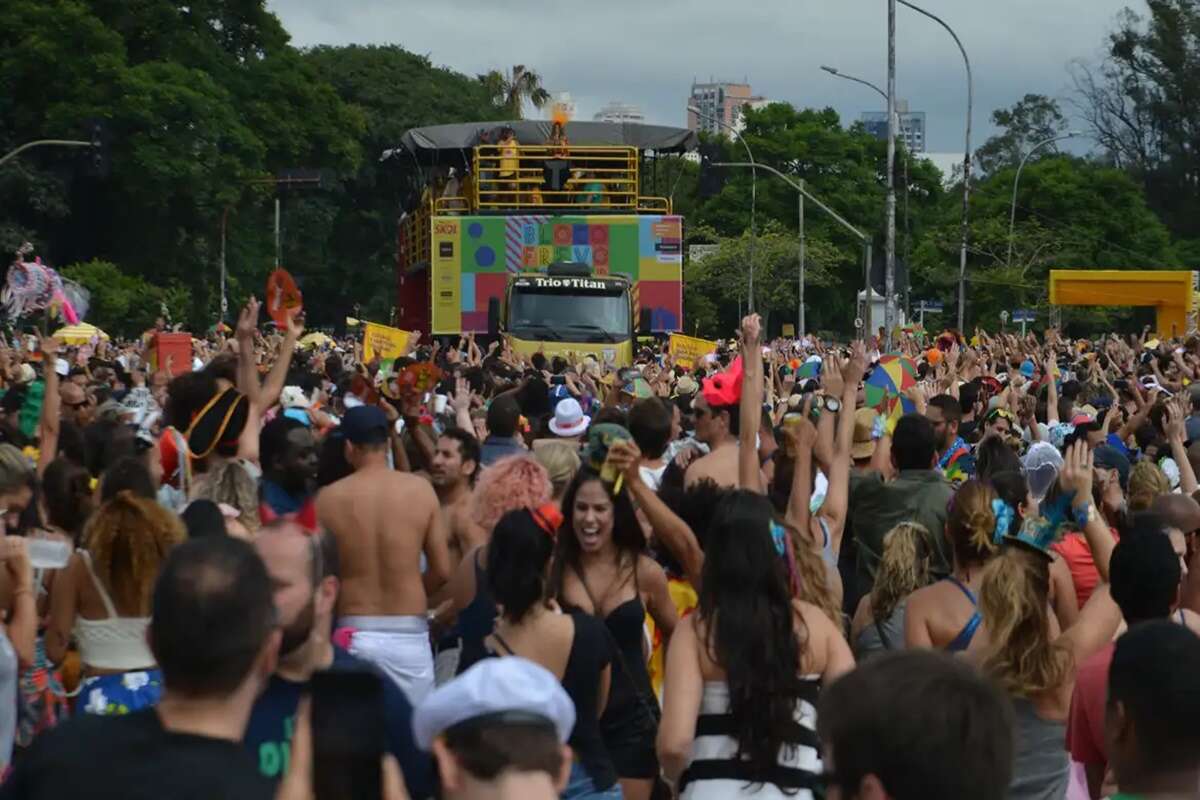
1023, 315
929, 306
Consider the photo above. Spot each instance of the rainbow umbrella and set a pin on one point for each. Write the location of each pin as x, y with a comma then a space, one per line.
809, 369
885, 386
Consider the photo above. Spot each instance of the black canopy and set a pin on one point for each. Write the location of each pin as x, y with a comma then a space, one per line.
425, 143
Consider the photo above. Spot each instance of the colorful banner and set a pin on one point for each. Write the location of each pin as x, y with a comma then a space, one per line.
473, 256
687, 350
383, 342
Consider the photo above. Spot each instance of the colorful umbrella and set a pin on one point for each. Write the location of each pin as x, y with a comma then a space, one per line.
79, 334
885, 385
809, 369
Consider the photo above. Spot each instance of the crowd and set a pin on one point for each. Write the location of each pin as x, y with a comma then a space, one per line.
292, 572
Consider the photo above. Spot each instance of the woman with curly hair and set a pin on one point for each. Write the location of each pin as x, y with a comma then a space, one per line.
1146, 482
906, 566
1027, 654
945, 614
509, 484
102, 599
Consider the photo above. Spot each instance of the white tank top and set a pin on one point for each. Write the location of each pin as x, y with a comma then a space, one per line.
117, 643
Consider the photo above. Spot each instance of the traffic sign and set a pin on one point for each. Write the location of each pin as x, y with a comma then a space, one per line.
929, 306
1023, 315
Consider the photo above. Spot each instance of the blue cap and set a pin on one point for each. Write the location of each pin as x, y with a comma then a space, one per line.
365, 425
1027, 368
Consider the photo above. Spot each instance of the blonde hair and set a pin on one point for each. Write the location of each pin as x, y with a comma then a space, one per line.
128, 539
971, 523
810, 581
1146, 482
1014, 602
15, 469
560, 460
229, 483
906, 565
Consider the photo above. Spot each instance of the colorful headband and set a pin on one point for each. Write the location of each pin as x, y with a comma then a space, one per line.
548, 517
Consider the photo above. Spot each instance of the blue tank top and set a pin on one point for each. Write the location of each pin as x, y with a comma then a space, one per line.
960, 642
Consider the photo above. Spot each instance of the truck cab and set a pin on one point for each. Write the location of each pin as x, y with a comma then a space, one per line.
569, 309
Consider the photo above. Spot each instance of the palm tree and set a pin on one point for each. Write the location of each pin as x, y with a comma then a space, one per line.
510, 91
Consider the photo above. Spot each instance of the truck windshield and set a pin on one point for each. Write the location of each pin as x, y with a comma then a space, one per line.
569, 316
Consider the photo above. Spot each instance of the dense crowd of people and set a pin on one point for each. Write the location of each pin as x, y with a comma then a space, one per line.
287, 571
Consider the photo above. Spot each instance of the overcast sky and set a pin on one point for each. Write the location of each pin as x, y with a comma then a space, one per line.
648, 53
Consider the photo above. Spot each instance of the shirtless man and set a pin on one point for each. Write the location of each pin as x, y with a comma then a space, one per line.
452, 472
383, 522
716, 426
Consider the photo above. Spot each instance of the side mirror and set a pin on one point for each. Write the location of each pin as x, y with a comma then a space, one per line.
645, 322
493, 319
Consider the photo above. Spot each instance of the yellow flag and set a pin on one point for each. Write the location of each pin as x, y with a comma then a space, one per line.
687, 350
383, 342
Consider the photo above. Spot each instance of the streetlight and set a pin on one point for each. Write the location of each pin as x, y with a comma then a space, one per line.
862, 237
753, 190
962, 257
1012, 214
834, 71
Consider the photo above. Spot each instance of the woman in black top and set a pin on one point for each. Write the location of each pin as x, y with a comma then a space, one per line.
573, 646
600, 567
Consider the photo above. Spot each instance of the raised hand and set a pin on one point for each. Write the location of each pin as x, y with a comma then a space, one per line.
751, 330
247, 322
1076, 474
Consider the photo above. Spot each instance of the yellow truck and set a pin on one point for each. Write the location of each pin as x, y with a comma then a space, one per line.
556, 246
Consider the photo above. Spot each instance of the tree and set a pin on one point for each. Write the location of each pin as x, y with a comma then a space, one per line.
1033, 119
510, 91
1071, 214
1140, 105
124, 304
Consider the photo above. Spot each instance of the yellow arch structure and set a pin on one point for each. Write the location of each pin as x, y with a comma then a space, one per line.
1171, 292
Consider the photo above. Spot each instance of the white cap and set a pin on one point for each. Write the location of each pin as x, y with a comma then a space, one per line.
62, 367
495, 686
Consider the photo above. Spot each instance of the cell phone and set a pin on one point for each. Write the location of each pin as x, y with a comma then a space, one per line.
349, 735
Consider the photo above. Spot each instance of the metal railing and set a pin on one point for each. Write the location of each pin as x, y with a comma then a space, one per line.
558, 177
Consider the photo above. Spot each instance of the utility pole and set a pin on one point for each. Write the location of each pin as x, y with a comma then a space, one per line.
800, 305
889, 275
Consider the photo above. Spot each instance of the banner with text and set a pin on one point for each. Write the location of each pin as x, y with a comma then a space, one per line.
383, 342
687, 350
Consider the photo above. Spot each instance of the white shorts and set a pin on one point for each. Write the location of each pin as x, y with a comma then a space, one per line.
397, 645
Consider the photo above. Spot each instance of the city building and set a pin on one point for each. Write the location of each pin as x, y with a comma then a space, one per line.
912, 126
720, 106
616, 111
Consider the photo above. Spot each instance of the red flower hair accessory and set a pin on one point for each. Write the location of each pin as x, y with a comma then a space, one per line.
724, 388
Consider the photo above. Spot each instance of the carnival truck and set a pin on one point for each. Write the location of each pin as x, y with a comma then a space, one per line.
548, 234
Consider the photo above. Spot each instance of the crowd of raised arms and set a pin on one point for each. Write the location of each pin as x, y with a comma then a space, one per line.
955, 566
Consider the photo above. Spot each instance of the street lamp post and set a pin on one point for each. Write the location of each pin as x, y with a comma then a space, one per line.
799, 187
889, 262
834, 71
962, 256
753, 192
1012, 214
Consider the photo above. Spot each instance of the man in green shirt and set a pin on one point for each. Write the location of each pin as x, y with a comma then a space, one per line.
1153, 710
919, 494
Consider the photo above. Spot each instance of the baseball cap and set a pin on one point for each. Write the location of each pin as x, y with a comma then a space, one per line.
1108, 457
365, 425
1028, 368
508, 690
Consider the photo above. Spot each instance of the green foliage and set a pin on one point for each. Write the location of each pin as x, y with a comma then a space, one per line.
123, 304
1029, 122
509, 91
1139, 103
714, 281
